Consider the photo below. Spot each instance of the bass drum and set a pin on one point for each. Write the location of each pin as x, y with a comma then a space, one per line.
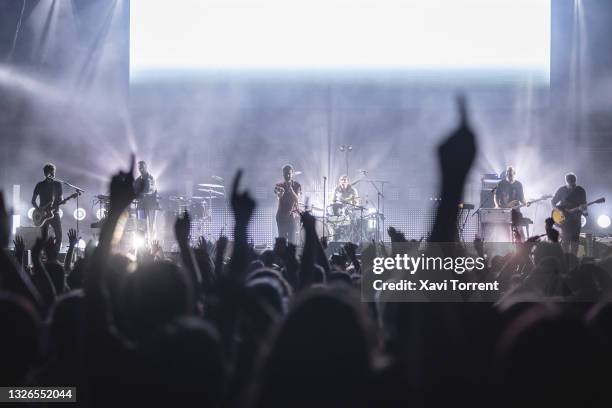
320, 227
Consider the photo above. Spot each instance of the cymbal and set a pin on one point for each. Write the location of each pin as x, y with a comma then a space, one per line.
179, 198
210, 185
209, 191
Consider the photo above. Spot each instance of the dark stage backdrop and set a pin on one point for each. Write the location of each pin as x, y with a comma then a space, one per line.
66, 97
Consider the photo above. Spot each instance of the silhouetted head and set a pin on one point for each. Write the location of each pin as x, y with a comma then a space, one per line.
548, 359
65, 320
267, 257
20, 341
288, 172
49, 170
320, 356
183, 362
154, 294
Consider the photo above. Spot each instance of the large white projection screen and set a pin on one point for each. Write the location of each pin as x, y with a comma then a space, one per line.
512, 35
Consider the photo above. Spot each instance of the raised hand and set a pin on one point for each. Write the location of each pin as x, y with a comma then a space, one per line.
395, 235
19, 249
457, 152
5, 223
72, 237
156, 249
122, 189
308, 221
202, 245
242, 203
182, 227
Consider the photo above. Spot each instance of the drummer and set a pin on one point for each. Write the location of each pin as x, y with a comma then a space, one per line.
345, 193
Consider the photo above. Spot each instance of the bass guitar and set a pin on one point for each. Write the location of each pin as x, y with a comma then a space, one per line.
559, 215
46, 212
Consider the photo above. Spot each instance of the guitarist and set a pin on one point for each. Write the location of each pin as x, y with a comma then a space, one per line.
509, 193
570, 196
49, 193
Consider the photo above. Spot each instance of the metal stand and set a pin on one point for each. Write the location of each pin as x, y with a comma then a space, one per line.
324, 205
79, 191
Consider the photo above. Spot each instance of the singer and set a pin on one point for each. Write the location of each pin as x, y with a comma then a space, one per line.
288, 193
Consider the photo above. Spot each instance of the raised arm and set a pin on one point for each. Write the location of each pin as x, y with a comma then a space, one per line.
99, 317
72, 242
40, 277
182, 227
455, 156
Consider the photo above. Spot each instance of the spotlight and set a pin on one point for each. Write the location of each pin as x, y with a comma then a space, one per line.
603, 221
101, 213
16, 222
30, 212
138, 242
60, 212
583, 221
79, 214
82, 244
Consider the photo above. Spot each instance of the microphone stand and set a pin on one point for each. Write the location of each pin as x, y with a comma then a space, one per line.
379, 194
79, 191
324, 205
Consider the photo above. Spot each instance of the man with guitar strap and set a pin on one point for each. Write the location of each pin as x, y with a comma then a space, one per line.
509, 194
49, 194
570, 197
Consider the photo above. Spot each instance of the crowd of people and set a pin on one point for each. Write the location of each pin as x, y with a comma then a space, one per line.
225, 326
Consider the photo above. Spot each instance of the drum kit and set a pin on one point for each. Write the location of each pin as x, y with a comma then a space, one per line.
199, 206
351, 219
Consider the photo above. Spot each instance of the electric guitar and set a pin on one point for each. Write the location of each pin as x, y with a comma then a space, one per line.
46, 212
515, 204
559, 215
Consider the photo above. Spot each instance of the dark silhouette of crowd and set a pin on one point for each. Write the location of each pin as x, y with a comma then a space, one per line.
228, 327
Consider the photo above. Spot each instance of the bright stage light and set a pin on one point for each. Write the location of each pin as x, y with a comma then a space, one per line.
138, 242
79, 214
60, 212
16, 222
82, 244
340, 34
603, 221
583, 221
30, 212
100, 213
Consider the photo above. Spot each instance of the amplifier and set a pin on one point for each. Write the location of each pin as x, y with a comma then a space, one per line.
496, 216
